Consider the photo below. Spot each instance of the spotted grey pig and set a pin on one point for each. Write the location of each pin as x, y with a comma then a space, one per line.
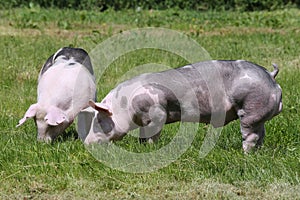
215, 92
65, 86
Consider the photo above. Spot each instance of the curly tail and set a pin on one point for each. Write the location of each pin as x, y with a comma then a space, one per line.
275, 72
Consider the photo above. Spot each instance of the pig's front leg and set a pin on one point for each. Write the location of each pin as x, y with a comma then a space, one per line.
149, 135
151, 132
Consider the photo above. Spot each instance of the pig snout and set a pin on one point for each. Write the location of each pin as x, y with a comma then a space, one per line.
51, 132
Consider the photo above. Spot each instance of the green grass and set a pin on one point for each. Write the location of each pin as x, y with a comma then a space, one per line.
65, 169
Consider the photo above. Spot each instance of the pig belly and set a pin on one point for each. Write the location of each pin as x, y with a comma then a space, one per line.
220, 117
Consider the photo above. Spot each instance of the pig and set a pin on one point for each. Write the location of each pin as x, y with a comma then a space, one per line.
66, 83
213, 92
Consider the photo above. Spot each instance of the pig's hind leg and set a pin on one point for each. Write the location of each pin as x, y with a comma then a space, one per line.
252, 128
254, 109
252, 136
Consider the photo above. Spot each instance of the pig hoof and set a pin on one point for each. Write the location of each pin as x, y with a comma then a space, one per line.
46, 139
143, 140
146, 140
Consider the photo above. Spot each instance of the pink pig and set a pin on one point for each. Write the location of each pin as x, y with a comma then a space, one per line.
65, 86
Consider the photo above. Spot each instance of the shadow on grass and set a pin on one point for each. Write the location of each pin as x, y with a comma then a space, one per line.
68, 135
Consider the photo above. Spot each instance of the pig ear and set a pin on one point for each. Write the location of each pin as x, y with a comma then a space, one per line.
55, 117
30, 113
100, 108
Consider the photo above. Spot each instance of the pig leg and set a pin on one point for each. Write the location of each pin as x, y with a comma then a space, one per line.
252, 137
151, 132
149, 135
252, 128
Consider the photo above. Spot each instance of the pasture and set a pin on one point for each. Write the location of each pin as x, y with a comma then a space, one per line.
65, 169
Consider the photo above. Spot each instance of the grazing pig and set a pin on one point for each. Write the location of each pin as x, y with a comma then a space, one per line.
65, 86
215, 92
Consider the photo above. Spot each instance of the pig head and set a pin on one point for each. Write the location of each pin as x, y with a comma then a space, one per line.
65, 86
215, 92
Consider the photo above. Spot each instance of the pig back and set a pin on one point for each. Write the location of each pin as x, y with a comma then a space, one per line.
67, 85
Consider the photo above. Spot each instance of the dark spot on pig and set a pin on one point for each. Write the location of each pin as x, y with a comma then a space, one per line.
47, 64
78, 54
118, 90
123, 102
167, 100
105, 122
141, 105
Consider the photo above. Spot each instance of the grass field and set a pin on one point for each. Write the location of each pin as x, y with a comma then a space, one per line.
65, 169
